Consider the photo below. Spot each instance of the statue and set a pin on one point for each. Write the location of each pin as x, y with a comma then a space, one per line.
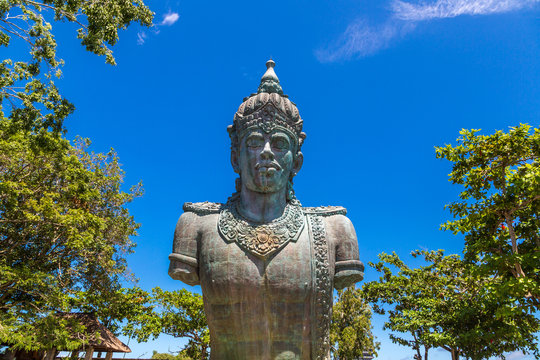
267, 266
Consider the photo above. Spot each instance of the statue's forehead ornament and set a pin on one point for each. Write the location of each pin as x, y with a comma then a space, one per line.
268, 110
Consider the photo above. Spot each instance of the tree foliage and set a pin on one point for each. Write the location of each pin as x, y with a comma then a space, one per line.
27, 87
64, 233
177, 313
170, 356
449, 304
498, 210
64, 226
350, 330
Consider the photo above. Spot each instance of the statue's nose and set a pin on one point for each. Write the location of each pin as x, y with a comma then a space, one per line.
266, 152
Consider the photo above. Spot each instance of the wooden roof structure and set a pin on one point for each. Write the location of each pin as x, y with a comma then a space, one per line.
106, 342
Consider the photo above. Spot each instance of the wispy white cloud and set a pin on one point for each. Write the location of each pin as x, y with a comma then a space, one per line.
451, 8
170, 18
141, 37
361, 39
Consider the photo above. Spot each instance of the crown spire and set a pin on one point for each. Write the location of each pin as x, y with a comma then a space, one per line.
269, 81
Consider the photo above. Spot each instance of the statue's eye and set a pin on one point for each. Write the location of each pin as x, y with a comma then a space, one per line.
280, 143
254, 142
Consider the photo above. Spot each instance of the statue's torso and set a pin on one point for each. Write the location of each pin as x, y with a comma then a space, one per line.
266, 304
257, 308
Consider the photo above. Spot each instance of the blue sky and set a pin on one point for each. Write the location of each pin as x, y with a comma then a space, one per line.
378, 84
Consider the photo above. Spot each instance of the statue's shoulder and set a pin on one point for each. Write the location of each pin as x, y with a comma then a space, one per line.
203, 208
325, 210
197, 216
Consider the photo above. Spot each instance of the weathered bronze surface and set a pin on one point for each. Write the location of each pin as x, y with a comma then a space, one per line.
267, 266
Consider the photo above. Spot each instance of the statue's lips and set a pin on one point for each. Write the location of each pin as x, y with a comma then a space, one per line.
267, 169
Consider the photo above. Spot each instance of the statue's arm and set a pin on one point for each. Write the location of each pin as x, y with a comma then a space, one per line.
184, 265
348, 267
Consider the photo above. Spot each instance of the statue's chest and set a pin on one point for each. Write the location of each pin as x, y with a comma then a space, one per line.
230, 274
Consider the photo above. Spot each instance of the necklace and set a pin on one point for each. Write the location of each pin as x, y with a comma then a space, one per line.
260, 239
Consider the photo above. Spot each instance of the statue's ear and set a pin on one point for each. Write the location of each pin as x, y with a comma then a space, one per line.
234, 161
298, 161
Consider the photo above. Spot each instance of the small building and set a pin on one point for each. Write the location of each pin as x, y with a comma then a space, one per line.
366, 355
106, 343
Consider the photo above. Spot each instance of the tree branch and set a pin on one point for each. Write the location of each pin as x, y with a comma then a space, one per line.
513, 237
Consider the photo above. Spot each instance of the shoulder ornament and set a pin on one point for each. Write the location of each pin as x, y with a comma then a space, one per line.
325, 210
203, 208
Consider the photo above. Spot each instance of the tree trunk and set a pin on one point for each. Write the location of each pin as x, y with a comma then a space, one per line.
10, 355
89, 353
50, 354
417, 346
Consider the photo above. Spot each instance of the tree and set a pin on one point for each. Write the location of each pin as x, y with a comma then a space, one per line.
350, 330
177, 313
449, 304
33, 99
114, 307
498, 210
64, 234
64, 226
169, 356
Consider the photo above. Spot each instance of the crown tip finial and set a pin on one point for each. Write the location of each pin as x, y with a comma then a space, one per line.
270, 63
270, 81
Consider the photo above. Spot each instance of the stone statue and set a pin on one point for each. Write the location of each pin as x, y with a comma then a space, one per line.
267, 266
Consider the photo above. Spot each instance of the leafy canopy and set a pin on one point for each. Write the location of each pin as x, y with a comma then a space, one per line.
27, 87
448, 304
64, 231
177, 313
169, 356
498, 210
350, 330
64, 226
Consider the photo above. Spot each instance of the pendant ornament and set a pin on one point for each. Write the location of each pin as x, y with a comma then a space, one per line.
260, 239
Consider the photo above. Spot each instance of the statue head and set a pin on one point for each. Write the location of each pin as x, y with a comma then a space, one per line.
266, 138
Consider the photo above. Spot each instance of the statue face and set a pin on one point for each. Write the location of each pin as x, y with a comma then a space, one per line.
265, 160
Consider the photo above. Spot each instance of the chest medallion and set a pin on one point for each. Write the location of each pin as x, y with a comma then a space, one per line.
260, 239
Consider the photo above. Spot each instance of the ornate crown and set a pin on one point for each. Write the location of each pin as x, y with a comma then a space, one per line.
268, 109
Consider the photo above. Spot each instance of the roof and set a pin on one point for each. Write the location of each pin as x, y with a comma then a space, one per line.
106, 341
